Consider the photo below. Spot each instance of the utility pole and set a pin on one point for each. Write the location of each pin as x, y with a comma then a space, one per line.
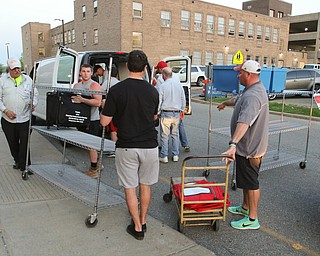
62, 21
7, 45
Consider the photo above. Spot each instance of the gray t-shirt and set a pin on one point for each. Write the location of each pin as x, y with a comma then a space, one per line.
252, 108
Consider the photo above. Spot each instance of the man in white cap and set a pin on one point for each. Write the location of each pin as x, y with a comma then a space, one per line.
249, 141
15, 104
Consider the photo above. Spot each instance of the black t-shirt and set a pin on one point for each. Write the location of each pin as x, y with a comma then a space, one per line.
133, 103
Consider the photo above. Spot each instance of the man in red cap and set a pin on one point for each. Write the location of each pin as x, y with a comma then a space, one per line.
160, 66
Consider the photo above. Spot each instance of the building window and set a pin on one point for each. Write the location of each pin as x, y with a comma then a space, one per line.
232, 28
248, 57
84, 39
95, 36
210, 23
242, 29
55, 39
259, 32
185, 20
42, 52
27, 36
95, 6
136, 40
73, 36
221, 25
83, 11
196, 59
267, 35
220, 56
275, 35
165, 19
271, 13
137, 10
265, 61
69, 37
40, 37
209, 58
184, 52
251, 30
198, 22
257, 59
280, 15
65, 37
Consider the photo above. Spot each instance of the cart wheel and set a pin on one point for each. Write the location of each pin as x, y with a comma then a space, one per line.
89, 224
233, 186
206, 173
216, 225
180, 227
25, 176
302, 165
167, 197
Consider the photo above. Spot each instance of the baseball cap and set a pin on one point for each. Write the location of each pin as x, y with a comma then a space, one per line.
249, 66
161, 64
14, 63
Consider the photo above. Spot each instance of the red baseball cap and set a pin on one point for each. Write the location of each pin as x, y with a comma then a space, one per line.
161, 64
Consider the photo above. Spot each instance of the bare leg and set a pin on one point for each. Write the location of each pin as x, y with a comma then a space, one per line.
254, 197
145, 198
245, 203
93, 156
132, 204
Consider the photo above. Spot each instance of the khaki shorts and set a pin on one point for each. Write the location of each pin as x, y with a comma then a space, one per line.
137, 166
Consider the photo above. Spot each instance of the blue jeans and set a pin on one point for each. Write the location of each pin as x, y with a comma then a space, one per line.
182, 135
169, 125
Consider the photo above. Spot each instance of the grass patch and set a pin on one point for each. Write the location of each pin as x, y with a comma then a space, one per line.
277, 107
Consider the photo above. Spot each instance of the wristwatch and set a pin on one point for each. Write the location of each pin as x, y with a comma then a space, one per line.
232, 144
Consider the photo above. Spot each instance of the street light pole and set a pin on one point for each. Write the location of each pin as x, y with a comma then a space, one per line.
7, 45
62, 21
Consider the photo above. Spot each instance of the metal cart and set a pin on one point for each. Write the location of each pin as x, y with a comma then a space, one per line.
89, 191
277, 157
216, 211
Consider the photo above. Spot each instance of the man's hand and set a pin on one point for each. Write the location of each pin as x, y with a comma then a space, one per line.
10, 114
76, 99
221, 106
232, 152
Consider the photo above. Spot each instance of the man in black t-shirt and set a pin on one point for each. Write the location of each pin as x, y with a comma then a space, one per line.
132, 105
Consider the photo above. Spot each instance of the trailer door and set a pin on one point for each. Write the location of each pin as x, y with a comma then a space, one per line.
183, 64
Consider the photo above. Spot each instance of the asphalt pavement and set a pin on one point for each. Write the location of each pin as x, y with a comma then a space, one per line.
38, 218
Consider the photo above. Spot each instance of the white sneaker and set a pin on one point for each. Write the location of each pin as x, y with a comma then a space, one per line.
175, 158
163, 159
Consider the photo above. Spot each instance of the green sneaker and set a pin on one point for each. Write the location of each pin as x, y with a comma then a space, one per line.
245, 223
238, 210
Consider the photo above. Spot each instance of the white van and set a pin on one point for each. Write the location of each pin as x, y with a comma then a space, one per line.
312, 66
63, 72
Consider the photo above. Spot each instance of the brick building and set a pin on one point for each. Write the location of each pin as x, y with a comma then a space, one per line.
208, 32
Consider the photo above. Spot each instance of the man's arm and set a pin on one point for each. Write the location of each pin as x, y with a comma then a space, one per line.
241, 129
228, 103
105, 120
96, 98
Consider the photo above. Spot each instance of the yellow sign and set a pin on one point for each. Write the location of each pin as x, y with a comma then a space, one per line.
237, 58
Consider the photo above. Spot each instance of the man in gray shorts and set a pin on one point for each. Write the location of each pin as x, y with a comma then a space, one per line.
249, 141
132, 105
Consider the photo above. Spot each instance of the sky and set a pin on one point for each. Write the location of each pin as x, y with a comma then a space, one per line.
18, 13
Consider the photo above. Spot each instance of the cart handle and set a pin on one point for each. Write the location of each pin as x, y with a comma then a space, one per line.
229, 157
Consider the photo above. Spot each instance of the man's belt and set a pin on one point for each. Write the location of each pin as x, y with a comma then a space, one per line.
173, 111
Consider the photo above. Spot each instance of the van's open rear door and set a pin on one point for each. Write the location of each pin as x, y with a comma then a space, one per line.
66, 73
176, 63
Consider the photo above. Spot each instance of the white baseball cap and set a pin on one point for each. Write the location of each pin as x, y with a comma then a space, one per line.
14, 63
249, 66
